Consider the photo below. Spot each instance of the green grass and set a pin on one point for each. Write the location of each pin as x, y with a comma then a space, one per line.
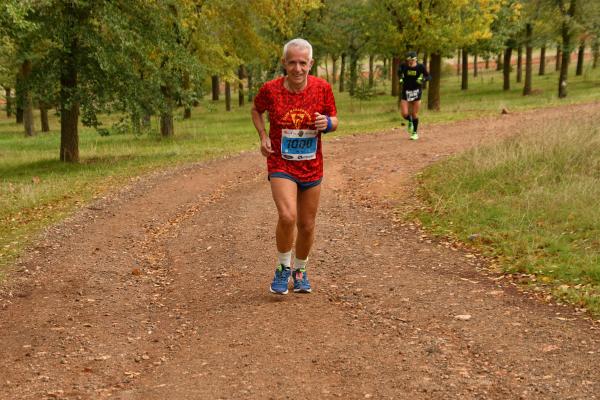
36, 190
533, 201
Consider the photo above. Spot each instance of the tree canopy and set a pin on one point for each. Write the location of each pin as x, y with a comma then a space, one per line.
142, 58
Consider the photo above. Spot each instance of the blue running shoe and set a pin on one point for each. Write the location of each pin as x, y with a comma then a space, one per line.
301, 283
281, 279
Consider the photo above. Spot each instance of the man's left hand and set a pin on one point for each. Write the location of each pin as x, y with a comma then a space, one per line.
320, 122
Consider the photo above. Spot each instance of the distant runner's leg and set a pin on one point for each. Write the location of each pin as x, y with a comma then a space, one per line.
404, 108
416, 105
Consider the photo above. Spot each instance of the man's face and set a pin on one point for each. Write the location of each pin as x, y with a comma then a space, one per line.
411, 62
297, 64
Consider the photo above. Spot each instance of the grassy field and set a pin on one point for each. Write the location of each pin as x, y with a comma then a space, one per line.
37, 190
533, 201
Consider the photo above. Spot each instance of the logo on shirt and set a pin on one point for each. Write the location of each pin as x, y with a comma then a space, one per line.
296, 118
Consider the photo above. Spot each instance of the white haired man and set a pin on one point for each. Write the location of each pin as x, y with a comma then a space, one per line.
301, 107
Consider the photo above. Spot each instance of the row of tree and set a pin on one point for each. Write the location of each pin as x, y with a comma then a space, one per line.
150, 57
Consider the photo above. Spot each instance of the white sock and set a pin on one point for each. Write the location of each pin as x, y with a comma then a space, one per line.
300, 264
285, 258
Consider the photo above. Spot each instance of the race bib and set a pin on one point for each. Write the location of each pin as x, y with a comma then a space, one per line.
298, 144
412, 95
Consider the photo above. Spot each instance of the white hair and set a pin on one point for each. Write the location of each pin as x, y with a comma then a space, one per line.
300, 43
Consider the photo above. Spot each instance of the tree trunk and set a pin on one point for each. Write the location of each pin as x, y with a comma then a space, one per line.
250, 74
564, 63
241, 86
342, 72
464, 82
69, 106
44, 117
327, 77
433, 95
333, 70
475, 65
542, 61
580, 55
227, 96
215, 87
166, 117
7, 92
499, 63
371, 70
520, 64
28, 122
166, 125
506, 67
558, 58
186, 85
19, 99
395, 79
353, 72
487, 62
595, 52
458, 57
528, 59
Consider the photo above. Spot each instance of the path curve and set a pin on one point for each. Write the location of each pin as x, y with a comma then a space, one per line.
161, 291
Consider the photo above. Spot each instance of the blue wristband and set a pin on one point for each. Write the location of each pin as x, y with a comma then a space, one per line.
329, 124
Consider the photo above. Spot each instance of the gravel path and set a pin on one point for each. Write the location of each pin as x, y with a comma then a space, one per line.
161, 291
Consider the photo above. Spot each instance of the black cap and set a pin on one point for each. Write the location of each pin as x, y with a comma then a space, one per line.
411, 54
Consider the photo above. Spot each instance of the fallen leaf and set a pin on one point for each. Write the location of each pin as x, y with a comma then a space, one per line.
549, 347
462, 317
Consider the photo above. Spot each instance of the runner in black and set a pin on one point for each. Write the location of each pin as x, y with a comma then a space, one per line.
412, 75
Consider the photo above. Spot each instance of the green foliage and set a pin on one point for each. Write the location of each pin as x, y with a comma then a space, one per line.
441, 27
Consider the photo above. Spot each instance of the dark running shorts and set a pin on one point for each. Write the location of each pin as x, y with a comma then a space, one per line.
301, 185
411, 94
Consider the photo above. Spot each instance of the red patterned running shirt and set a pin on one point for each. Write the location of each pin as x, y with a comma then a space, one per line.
295, 112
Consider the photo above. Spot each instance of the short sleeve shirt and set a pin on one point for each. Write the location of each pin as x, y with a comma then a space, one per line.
410, 74
295, 111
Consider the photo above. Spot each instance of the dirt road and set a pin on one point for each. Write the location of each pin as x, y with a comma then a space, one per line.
161, 291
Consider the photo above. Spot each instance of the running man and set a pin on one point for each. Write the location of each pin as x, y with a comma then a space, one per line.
412, 75
301, 107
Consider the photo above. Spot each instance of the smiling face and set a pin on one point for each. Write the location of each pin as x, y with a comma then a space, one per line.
297, 64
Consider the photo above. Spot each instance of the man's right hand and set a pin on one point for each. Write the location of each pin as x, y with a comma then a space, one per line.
265, 147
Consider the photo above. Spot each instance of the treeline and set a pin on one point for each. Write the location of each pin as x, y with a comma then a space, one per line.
144, 58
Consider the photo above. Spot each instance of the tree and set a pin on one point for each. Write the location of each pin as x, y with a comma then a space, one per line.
465, 70
568, 13
528, 59
439, 28
574, 18
18, 35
